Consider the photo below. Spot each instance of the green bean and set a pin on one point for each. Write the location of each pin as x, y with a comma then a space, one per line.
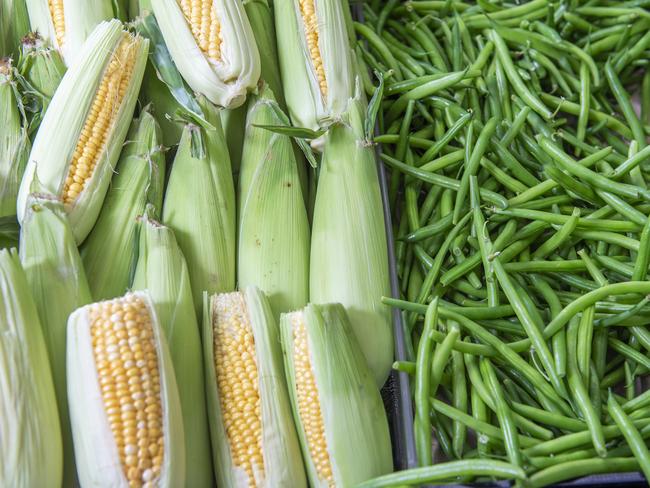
544, 266
629, 352
513, 76
450, 470
516, 126
380, 47
472, 164
422, 425
645, 98
549, 418
430, 230
564, 233
407, 367
459, 390
593, 270
626, 106
585, 97
631, 434
448, 137
575, 469
584, 343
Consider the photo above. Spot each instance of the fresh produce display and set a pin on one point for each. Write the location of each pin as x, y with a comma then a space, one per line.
167, 319
195, 236
517, 135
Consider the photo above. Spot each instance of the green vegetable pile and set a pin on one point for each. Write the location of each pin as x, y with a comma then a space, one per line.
517, 139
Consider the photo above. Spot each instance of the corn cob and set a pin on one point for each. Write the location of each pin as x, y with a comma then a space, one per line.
14, 24
203, 219
30, 437
58, 284
213, 46
110, 251
95, 103
162, 271
254, 441
124, 406
315, 59
339, 412
273, 238
14, 141
349, 254
66, 24
42, 67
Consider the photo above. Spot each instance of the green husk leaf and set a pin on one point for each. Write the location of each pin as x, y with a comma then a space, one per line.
273, 235
58, 284
14, 24
353, 414
14, 140
203, 219
349, 253
162, 271
110, 251
31, 436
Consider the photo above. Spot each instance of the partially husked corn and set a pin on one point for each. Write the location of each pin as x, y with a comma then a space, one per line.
205, 25
309, 407
103, 112
315, 59
66, 24
212, 45
95, 103
339, 412
254, 439
124, 401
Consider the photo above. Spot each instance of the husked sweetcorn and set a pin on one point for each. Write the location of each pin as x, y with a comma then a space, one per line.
254, 441
124, 403
94, 103
339, 412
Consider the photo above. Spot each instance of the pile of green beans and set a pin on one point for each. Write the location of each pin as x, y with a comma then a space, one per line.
516, 135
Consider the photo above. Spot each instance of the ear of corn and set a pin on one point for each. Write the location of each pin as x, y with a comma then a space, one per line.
42, 67
124, 405
213, 46
14, 141
14, 24
162, 271
203, 219
95, 103
30, 436
349, 254
273, 240
58, 284
66, 24
110, 251
315, 59
338, 409
254, 441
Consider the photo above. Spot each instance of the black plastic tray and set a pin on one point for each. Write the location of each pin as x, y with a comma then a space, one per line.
396, 391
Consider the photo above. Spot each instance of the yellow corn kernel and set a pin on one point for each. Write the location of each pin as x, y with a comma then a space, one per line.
125, 355
312, 35
309, 406
105, 107
58, 19
237, 380
205, 26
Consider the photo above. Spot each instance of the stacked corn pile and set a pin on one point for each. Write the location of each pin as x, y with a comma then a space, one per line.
190, 302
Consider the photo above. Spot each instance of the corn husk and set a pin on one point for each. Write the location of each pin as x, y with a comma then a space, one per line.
308, 106
30, 436
49, 160
14, 24
354, 421
57, 281
42, 67
98, 461
162, 271
139, 7
349, 254
157, 94
273, 239
203, 218
110, 251
282, 463
14, 140
224, 82
80, 17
